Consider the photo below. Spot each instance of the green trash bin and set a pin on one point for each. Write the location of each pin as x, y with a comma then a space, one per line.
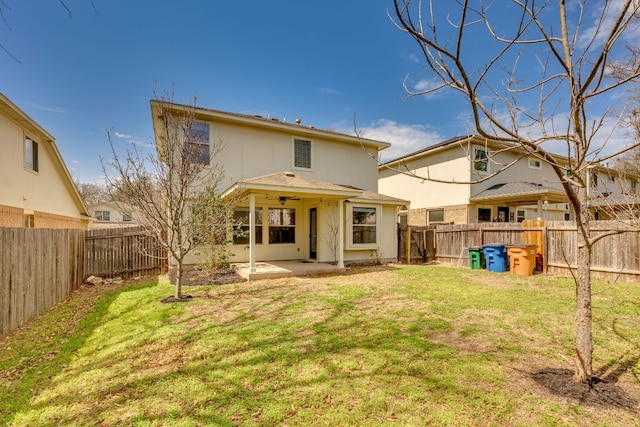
476, 258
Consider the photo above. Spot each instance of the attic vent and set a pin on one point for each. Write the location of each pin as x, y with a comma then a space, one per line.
495, 187
289, 174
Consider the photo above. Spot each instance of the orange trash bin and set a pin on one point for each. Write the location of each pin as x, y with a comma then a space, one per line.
522, 259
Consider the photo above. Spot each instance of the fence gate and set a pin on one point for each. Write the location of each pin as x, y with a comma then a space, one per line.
416, 245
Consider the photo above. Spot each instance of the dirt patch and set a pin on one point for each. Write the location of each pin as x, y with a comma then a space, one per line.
601, 394
204, 278
172, 299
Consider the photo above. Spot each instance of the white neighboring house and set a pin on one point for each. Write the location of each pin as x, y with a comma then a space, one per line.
112, 215
304, 193
462, 187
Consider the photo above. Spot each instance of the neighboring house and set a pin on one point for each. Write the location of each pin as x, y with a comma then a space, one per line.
112, 215
37, 189
613, 194
462, 187
313, 193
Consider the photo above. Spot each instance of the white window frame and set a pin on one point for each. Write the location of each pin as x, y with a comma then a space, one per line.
293, 153
277, 226
355, 246
429, 222
486, 160
537, 166
31, 155
100, 215
200, 143
518, 215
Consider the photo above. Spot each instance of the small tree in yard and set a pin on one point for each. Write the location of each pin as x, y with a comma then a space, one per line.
546, 76
173, 188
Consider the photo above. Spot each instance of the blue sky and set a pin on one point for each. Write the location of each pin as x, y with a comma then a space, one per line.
319, 61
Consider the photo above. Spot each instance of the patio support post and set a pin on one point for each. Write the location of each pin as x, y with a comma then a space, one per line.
540, 208
252, 233
341, 233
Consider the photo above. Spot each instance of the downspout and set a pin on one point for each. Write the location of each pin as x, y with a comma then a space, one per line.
341, 233
252, 233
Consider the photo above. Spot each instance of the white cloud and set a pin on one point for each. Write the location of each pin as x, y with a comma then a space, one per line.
404, 138
50, 109
328, 91
122, 135
603, 19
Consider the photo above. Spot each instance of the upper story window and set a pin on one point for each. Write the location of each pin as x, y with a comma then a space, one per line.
126, 217
31, 154
103, 215
633, 188
301, 153
594, 179
481, 160
197, 143
435, 216
535, 163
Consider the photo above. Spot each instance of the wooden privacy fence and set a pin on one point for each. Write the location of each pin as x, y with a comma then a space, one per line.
416, 244
453, 241
40, 267
122, 252
614, 257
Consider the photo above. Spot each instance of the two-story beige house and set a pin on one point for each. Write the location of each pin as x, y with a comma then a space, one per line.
37, 189
112, 215
469, 179
305, 194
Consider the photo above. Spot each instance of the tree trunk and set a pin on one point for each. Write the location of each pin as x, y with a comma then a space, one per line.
178, 294
584, 345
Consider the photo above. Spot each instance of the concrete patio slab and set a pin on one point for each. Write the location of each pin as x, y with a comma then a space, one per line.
279, 269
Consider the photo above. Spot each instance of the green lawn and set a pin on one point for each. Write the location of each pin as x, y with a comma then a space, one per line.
418, 345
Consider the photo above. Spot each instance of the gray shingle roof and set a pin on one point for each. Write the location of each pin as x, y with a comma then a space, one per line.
515, 189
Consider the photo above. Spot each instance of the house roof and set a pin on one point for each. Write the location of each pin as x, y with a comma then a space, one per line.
10, 110
614, 200
418, 153
517, 190
290, 184
207, 114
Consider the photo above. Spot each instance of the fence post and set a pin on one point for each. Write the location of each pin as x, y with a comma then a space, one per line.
408, 244
545, 250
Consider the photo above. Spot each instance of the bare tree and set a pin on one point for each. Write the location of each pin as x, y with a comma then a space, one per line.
170, 188
541, 78
92, 193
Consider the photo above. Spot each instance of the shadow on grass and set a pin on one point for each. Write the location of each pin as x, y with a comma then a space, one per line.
41, 359
253, 371
238, 352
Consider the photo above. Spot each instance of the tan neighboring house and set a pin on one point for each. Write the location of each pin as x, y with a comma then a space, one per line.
112, 215
313, 193
463, 189
37, 189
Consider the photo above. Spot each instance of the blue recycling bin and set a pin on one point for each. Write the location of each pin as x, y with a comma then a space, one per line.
495, 256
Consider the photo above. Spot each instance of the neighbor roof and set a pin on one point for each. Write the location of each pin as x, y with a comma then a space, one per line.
515, 190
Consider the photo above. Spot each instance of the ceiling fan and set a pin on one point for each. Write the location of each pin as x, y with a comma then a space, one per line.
283, 199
